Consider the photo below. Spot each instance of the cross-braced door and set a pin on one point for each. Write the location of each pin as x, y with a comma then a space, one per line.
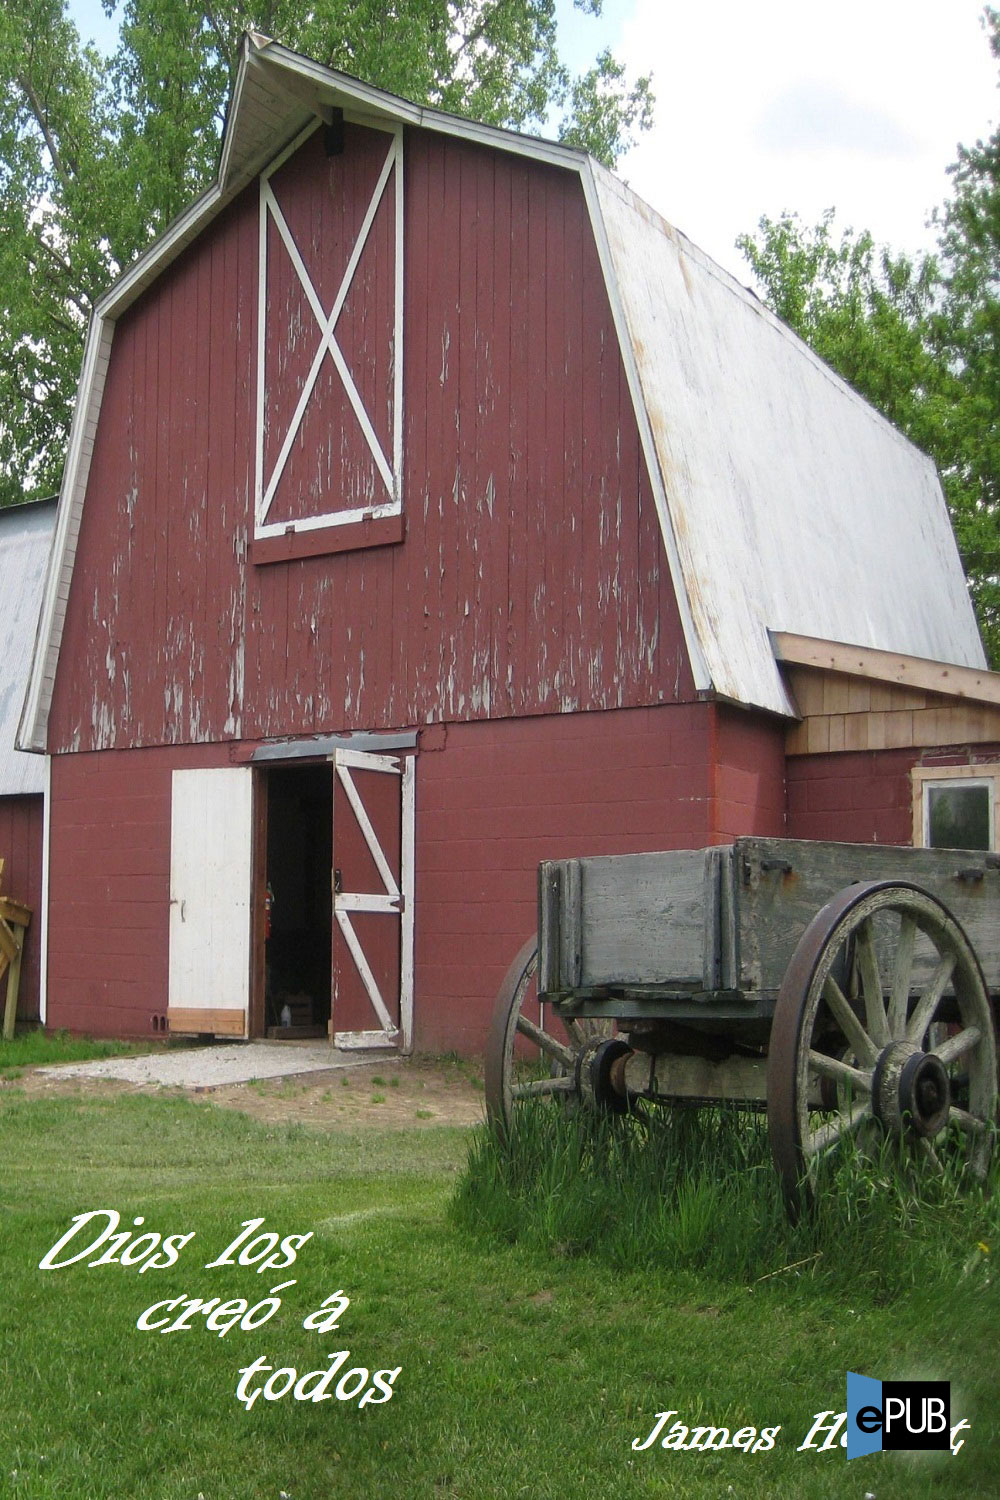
373, 815
330, 332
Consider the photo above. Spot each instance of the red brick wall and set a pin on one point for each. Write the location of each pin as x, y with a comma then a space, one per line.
492, 799
857, 797
500, 797
109, 888
749, 784
21, 820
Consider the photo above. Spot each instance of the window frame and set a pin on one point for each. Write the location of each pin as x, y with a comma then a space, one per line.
924, 779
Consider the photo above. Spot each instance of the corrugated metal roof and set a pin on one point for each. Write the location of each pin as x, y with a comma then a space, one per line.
786, 503
791, 504
25, 535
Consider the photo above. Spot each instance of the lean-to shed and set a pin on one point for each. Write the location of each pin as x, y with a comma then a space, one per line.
25, 538
432, 508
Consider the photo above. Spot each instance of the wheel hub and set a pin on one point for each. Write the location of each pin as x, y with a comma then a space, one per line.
598, 1081
910, 1090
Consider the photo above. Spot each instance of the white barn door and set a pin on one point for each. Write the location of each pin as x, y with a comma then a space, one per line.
372, 960
211, 862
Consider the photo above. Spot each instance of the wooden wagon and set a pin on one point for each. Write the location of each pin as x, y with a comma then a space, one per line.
847, 988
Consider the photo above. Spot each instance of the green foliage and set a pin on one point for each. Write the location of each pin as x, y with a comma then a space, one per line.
918, 337
98, 155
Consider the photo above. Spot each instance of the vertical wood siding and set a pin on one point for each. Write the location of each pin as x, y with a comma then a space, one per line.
531, 579
21, 821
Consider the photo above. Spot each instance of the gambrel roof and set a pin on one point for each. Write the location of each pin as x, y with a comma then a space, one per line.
785, 502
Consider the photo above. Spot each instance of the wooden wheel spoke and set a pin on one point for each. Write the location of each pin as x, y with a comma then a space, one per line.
895, 941
575, 1031
548, 1044
923, 1011
840, 1072
957, 1046
561, 1084
871, 985
843, 1124
973, 1123
902, 970
860, 1042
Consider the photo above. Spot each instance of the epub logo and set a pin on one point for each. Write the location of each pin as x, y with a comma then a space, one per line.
887, 1414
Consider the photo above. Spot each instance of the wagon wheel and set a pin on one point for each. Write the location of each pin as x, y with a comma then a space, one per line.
533, 1052
882, 1020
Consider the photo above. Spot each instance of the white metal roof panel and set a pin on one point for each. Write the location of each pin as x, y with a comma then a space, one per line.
25, 535
792, 505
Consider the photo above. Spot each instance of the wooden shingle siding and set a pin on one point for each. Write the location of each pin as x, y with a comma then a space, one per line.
841, 714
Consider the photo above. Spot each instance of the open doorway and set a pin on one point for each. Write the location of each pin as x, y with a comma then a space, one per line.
299, 862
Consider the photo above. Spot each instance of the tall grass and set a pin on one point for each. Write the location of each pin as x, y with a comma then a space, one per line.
694, 1189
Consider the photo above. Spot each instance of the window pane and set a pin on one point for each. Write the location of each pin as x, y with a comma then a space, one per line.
959, 817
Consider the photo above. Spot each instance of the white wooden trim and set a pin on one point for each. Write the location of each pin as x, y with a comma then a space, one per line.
922, 778
323, 523
407, 864
364, 1041
364, 969
384, 105
33, 728
43, 940
368, 760
370, 836
397, 338
261, 349
365, 901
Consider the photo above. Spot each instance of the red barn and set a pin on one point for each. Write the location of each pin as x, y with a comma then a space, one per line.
433, 508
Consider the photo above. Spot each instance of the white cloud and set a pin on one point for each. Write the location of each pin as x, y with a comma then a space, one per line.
790, 104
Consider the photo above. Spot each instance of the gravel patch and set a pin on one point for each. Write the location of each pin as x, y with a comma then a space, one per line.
216, 1066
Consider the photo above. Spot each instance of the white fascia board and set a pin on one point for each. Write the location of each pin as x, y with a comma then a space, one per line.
699, 665
378, 102
32, 730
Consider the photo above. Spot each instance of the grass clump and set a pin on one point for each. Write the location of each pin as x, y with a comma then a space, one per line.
695, 1190
35, 1047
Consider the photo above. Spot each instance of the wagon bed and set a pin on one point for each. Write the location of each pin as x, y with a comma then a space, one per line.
840, 985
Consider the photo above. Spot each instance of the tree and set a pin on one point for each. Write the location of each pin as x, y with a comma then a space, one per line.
98, 155
918, 337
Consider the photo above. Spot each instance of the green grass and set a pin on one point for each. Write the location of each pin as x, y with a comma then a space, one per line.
529, 1362
31, 1047
694, 1188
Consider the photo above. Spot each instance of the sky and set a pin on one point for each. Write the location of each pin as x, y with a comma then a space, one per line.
786, 104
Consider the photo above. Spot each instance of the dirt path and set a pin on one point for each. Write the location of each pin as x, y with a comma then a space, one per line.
392, 1094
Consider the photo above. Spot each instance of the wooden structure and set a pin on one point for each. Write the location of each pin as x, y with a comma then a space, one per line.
433, 508
844, 986
25, 539
15, 918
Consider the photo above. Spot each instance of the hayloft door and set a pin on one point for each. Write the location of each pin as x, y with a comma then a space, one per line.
211, 848
373, 809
